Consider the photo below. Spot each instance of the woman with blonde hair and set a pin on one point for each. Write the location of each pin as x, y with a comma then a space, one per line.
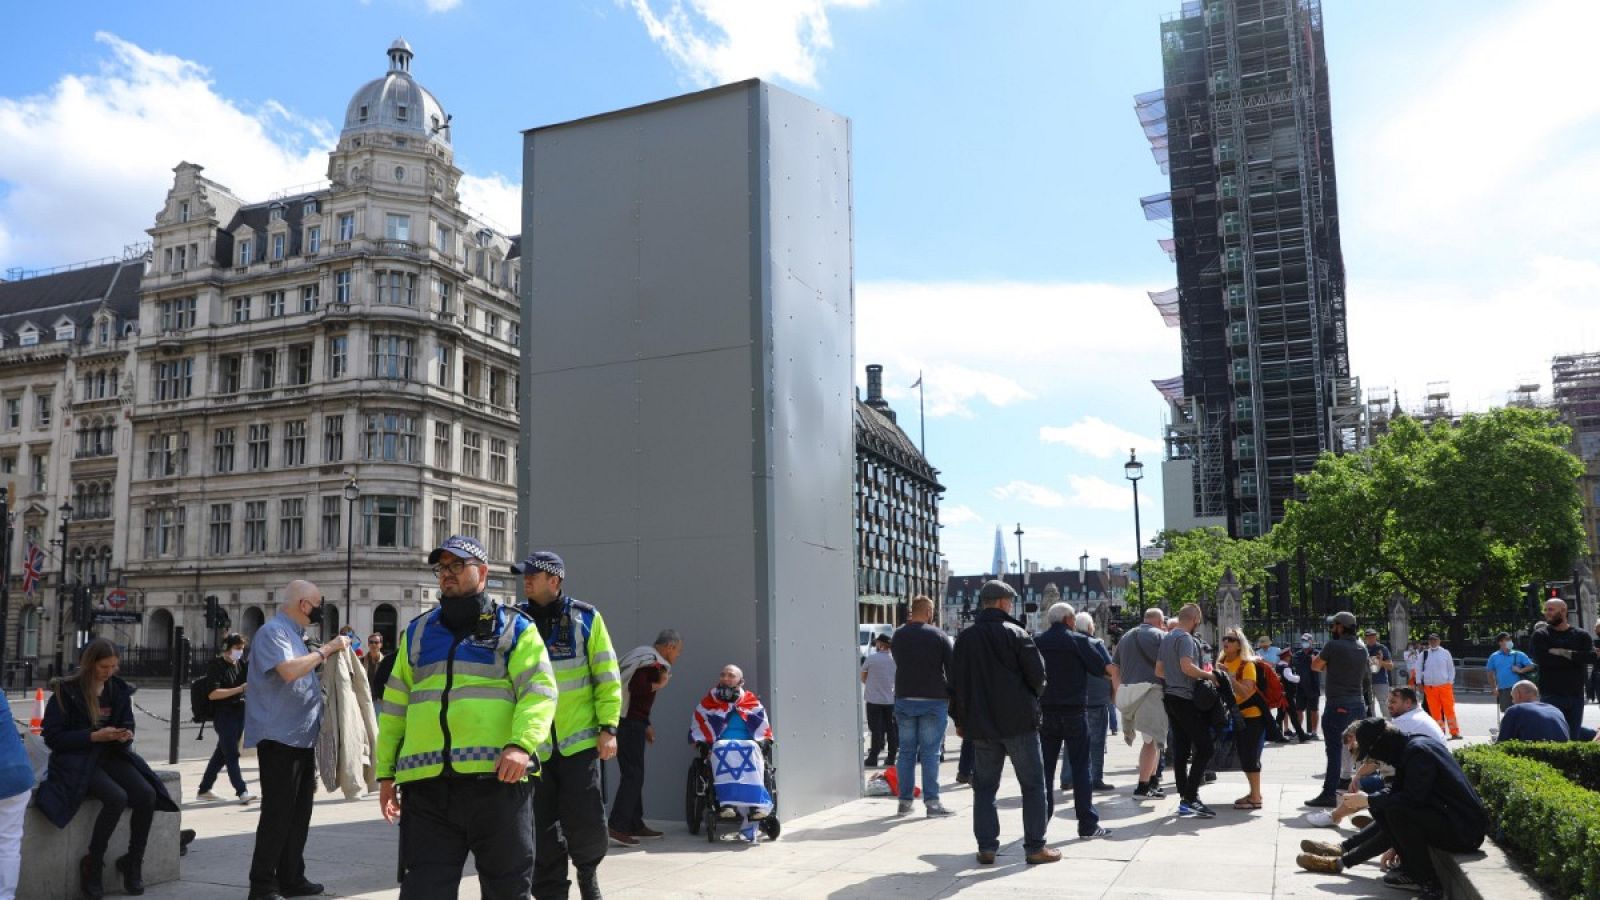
1244, 669
88, 726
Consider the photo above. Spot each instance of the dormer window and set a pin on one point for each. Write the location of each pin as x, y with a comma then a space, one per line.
103, 333
310, 209
65, 331
400, 112
28, 337
183, 211
244, 252
363, 114
276, 214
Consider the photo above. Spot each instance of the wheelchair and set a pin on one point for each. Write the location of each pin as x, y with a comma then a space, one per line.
701, 809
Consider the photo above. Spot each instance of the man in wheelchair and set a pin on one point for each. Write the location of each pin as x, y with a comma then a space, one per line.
732, 783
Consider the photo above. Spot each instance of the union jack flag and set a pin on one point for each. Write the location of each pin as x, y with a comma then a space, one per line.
32, 567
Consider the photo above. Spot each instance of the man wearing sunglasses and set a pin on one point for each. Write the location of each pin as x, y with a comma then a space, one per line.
469, 701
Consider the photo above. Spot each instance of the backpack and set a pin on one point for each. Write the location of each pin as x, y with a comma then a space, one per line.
1270, 686
200, 698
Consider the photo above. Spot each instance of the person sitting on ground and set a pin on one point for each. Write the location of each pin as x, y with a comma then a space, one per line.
1429, 805
1530, 719
730, 712
88, 726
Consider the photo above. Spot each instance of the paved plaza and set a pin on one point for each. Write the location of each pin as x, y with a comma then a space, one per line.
858, 849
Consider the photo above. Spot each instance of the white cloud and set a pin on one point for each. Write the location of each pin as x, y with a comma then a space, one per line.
956, 516
1098, 438
442, 6
1030, 493
496, 198
1091, 492
718, 41
88, 163
1088, 340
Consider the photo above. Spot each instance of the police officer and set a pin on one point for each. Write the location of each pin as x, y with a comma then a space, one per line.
568, 810
470, 699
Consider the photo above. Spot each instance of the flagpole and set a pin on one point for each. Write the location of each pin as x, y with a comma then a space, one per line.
922, 415
5, 581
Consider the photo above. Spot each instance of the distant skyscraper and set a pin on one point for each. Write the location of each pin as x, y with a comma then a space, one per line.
1244, 128
998, 567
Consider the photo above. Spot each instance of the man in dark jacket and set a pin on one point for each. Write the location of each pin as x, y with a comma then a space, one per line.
922, 658
1069, 662
1428, 804
1562, 654
996, 680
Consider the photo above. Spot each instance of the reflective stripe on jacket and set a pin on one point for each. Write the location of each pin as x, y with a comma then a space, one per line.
586, 675
461, 701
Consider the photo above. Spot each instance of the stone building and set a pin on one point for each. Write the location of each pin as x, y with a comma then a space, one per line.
897, 513
66, 353
326, 376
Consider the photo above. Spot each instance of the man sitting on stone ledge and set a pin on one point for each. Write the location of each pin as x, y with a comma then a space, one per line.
1530, 719
1428, 805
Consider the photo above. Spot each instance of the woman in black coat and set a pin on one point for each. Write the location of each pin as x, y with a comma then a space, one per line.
88, 726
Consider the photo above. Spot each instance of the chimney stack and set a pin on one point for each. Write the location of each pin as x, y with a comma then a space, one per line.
875, 391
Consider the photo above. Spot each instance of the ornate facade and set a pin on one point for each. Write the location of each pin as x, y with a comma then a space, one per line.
897, 513
356, 339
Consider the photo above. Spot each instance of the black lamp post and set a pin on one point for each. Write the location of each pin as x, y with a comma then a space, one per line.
5, 580
61, 588
1021, 569
1134, 470
351, 493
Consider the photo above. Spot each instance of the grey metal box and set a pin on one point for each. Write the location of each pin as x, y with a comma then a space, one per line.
687, 440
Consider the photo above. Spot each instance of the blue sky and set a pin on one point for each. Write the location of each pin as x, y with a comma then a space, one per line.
1000, 248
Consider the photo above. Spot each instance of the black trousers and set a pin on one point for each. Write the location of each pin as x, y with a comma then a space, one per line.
1068, 727
118, 786
880, 721
444, 819
288, 785
1413, 831
627, 807
1368, 843
568, 821
1191, 745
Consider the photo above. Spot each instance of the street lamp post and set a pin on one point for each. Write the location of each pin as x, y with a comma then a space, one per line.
1134, 470
1022, 570
61, 588
5, 580
351, 492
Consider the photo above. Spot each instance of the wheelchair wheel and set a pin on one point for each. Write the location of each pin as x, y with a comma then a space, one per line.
771, 828
694, 799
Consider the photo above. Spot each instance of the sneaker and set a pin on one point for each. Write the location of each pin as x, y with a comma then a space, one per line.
1142, 792
622, 837
1321, 848
1210, 777
1328, 865
1319, 819
939, 810
1097, 833
1455, 737
1400, 881
646, 833
1361, 821
246, 798
209, 796
905, 807
1185, 811
1323, 801
1201, 810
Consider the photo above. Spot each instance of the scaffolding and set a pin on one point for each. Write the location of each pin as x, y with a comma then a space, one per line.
1575, 390
1247, 145
1379, 411
1436, 404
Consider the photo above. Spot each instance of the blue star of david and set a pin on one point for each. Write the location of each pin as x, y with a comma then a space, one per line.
746, 763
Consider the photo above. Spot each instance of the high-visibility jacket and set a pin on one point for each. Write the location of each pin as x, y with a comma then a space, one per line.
586, 674
458, 702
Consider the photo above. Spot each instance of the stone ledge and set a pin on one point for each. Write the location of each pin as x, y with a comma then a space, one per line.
1485, 875
50, 855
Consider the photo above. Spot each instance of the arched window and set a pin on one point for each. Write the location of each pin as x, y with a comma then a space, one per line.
30, 631
77, 565
158, 631
385, 622
250, 621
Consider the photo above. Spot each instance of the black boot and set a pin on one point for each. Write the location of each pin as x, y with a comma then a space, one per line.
132, 877
589, 884
89, 881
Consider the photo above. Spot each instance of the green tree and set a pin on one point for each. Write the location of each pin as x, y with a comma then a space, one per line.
1453, 516
1193, 564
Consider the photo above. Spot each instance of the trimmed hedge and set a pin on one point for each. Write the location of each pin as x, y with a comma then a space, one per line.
1545, 819
1579, 761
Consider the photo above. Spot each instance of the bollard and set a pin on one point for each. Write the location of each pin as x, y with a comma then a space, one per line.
180, 666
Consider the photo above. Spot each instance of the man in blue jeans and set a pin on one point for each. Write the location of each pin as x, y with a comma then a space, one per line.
1347, 683
996, 678
922, 655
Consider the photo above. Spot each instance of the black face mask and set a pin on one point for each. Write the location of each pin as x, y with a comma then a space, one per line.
315, 616
724, 693
459, 613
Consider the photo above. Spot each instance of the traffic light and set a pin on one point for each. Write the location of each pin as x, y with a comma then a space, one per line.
81, 610
212, 611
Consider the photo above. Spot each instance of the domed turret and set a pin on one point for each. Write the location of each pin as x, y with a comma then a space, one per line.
397, 104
